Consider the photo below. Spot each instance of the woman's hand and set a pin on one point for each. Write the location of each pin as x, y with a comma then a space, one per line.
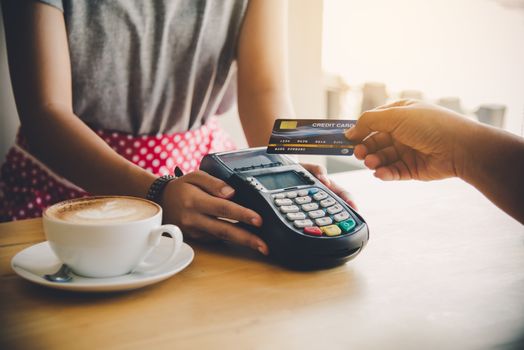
320, 173
195, 201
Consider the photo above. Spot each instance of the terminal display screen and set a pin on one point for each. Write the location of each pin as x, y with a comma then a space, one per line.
239, 160
285, 179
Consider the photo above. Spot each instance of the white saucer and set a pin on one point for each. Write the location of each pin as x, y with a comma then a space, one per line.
34, 262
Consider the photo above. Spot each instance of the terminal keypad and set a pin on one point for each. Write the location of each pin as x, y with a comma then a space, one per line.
309, 206
295, 216
303, 200
283, 201
314, 212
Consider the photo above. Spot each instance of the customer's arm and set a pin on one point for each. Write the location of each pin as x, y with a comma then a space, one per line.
413, 140
496, 168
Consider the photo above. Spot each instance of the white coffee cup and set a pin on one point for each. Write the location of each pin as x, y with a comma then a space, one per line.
108, 236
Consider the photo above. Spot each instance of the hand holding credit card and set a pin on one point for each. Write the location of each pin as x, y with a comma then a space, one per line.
311, 136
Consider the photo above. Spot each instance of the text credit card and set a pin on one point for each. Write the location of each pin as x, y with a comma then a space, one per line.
311, 136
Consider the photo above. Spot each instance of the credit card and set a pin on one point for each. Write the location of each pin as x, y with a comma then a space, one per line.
311, 136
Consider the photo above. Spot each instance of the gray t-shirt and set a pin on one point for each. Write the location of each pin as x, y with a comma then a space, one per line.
148, 67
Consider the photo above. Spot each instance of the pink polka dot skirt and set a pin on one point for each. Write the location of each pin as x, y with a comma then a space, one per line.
27, 186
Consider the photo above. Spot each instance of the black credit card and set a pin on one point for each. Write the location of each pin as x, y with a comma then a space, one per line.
311, 136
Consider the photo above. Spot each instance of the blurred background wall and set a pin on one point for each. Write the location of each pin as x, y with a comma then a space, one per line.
472, 50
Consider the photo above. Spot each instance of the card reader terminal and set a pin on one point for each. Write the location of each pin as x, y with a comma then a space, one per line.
305, 224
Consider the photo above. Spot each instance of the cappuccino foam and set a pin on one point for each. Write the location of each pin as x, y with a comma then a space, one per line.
102, 210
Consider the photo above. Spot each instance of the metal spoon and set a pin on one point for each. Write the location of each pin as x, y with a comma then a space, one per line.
61, 276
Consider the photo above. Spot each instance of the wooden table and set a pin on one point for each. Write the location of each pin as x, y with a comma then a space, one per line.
444, 269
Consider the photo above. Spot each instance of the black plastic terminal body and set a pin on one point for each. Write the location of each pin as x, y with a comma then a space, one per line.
287, 244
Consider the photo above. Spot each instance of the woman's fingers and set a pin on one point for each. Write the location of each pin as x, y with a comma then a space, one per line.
201, 236
343, 194
223, 208
210, 184
318, 171
193, 202
230, 232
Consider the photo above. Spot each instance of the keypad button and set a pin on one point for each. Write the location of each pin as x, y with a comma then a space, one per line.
303, 200
331, 230
316, 214
341, 216
302, 223
337, 208
289, 209
323, 221
320, 196
309, 206
312, 191
347, 226
283, 201
292, 194
281, 195
313, 231
327, 202
296, 216
303, 193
